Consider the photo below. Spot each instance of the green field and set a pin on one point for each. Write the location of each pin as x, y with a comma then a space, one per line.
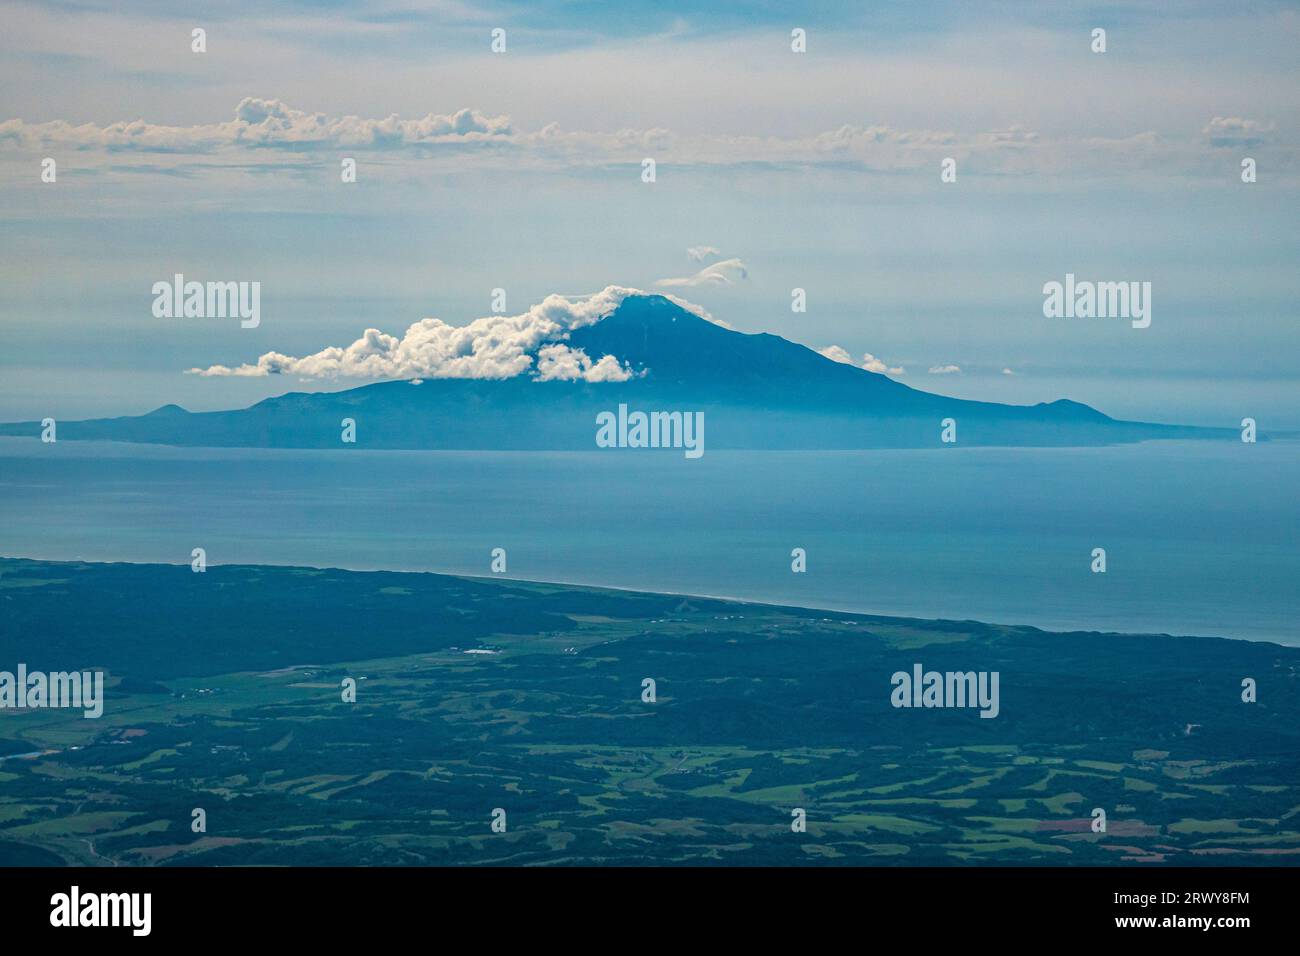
225, 695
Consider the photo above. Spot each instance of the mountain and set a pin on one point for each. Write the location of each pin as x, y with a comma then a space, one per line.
756, 391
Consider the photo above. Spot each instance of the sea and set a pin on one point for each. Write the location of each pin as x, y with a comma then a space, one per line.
1200, 538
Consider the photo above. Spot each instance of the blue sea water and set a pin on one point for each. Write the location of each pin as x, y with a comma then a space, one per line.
1200, 537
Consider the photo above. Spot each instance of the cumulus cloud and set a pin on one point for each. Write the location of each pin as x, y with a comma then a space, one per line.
1007, 371
478, 140
494, 347
944, 369
700, 253
263, 123
1236, 131
873, 364
726, 272
869, 362
837, 354
272, 124
561, 363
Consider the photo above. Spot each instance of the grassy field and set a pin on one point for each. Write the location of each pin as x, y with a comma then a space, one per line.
225, 694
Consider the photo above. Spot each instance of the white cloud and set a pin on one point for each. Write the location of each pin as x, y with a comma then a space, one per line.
1007, 371
494, 347
1236, 131
944, 369
869, 362
477, 141
559, 362
837, 354
700, 253
726, 272
873, 364
263, 123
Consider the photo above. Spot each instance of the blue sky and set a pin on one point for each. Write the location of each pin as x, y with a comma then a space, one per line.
522, 171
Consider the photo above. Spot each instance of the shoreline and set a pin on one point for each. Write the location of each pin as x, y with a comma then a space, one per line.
881, 616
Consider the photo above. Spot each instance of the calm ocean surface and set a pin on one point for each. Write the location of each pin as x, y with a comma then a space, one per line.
1201, 538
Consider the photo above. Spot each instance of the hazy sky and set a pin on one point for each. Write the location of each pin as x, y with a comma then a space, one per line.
522, 170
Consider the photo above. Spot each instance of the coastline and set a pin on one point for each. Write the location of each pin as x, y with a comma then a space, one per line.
865, 614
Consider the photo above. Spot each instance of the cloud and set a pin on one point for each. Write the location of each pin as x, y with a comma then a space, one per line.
945, 369
561, 363
1236, 131
726, 272
837, 354
266, 132
271, 124
873, 364
869, 362
1007, 371
263, 123
494, 347
700, 253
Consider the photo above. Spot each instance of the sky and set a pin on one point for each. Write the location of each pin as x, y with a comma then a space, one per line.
774, 170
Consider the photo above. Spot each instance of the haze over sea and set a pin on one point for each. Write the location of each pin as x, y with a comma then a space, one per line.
1199, 535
